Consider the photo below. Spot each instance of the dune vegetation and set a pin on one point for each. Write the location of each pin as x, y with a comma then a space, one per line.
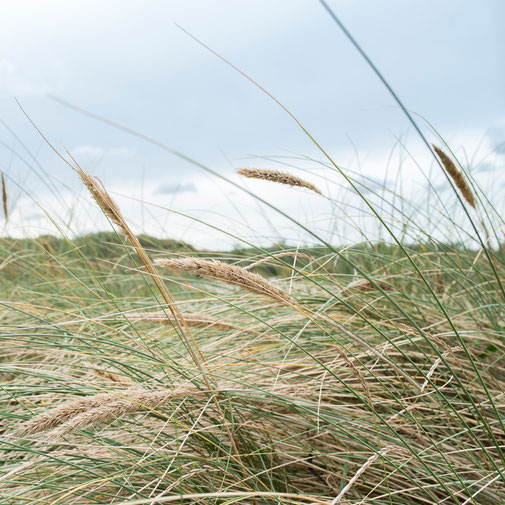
137, 370
143, 370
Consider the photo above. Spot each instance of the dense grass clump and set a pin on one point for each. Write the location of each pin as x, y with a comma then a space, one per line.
370, 373
364, 365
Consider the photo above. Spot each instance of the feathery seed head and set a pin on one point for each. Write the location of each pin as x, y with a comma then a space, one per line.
456, 176
229, 274
277, 176
104, 200
4, 197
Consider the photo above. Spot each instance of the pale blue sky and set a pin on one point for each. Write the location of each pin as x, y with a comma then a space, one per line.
126, 60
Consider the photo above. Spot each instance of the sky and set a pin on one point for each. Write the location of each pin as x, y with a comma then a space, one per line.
131, 62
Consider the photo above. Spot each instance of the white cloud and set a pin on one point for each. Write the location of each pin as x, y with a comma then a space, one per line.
171, 187
34, 81
90, 151
203, 205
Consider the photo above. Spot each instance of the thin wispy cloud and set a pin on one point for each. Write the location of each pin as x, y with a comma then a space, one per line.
100, 152
169, 188
30, 80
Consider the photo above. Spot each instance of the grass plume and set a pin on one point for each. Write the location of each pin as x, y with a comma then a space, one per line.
83, 412
277, 176
62, 413
4, 196
228, 274
456, 176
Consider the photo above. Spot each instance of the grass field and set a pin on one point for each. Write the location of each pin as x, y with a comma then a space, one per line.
144, 372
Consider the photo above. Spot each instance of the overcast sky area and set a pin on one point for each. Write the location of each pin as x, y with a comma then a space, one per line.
129, 62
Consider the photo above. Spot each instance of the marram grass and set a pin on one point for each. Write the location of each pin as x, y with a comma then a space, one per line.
99, 408
369, 374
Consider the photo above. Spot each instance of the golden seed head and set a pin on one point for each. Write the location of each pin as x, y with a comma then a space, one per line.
456, 176
229, 274
277, 176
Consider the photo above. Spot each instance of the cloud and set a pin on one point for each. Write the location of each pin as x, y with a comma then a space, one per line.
486, 166
169, 188
37, 81
381, 183
500, 147
34, 216
496, 137
99, 152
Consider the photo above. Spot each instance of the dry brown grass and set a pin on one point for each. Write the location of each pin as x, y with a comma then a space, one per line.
456, 176
114, 377
366, 285
228, 274
192, 320
277, 176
